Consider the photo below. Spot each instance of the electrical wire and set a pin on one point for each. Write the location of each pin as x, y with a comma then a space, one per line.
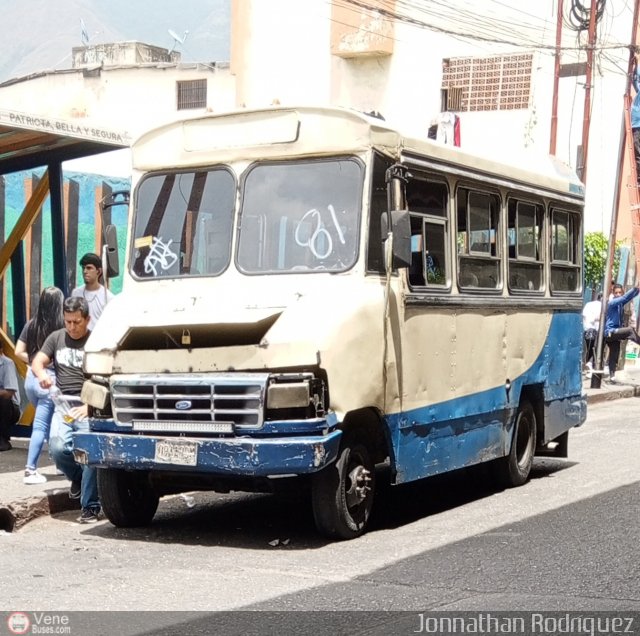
482, 28
580, 16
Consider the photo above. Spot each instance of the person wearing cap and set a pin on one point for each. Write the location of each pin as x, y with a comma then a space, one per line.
96, 294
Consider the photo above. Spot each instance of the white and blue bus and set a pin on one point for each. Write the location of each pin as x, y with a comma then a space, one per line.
309, 293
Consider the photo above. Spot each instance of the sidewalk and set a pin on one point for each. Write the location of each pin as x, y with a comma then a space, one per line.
20, 503
627, 385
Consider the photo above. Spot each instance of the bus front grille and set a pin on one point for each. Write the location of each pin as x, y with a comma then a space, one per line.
194, 398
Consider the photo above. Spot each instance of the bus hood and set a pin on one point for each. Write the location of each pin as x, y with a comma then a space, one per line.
168, 321
338, 326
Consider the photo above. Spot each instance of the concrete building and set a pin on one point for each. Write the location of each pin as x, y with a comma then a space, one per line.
490, 62
128, 86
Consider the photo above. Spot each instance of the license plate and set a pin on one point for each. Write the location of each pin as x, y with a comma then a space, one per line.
173, 451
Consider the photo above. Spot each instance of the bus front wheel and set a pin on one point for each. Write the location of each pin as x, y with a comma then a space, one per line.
342, 494
127, 497
513, 470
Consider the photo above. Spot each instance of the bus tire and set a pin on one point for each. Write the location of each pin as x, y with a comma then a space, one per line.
562, 449
342, 494
513, 470
127, 497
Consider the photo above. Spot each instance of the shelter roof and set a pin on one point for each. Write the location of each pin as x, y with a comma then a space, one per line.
30, 140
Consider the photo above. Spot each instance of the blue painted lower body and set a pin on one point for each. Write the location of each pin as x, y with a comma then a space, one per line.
478, 427
227, 457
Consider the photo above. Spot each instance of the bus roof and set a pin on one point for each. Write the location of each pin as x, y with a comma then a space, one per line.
286, 132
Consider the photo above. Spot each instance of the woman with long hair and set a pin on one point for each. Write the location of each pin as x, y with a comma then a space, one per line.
49, 318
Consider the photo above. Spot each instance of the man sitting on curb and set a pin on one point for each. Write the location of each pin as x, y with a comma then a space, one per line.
65, 348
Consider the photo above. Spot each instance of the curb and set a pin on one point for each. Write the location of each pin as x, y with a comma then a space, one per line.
623, 391
16, 514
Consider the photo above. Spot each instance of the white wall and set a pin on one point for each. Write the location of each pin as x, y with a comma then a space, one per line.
131, 99
287, 57
286, 46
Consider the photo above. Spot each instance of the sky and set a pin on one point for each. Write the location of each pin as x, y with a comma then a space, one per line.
38, 35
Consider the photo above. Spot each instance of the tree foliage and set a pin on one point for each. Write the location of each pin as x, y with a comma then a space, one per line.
596, 246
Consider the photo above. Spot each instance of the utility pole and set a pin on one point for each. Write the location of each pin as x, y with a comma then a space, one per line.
587, 89
625, 147
556, 82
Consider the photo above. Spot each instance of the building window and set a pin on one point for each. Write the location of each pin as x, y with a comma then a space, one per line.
499, 82
192, 94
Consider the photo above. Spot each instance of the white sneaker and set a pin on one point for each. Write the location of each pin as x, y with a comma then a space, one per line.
33, 477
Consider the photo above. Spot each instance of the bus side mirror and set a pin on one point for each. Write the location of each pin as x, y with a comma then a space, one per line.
111, 251
397, 224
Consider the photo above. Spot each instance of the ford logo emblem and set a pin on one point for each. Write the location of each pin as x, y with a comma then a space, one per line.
183, 405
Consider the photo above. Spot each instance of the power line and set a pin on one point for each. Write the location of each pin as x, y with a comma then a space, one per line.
490, 35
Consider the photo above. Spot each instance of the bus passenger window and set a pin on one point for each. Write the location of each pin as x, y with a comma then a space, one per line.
565, 251
428, 202
524, 237
478, 236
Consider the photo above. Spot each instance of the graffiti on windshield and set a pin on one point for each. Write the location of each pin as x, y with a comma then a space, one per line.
160, 257
317, 237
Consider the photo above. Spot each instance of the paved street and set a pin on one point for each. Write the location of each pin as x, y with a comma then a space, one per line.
567, 539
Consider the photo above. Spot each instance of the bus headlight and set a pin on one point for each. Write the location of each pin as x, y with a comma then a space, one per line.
95, 395
299, 394
288, 396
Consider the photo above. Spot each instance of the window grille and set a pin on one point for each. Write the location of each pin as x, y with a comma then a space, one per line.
192, 94
499, 82
452, 99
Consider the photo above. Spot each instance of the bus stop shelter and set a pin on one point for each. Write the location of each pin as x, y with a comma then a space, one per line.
36, 141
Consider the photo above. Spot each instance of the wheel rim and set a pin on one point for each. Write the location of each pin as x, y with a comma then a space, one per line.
358, 489
524, 446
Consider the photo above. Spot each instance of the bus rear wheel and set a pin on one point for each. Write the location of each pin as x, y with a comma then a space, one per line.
127, 497
342, 494
513, 470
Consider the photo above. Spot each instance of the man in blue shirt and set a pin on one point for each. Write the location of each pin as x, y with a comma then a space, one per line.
635, 119
614, 332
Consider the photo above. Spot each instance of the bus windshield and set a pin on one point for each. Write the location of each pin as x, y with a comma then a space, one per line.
183, 224
300, 217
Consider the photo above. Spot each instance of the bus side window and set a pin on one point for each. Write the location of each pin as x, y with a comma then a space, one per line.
478, 236
428, 202
525, 235
565, 251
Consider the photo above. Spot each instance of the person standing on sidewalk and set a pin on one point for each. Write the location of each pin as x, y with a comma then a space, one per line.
590, 325
49, 318
96, 295
614, 332
9, 400
65, 348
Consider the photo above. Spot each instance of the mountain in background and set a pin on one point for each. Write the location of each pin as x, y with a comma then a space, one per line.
38, 35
